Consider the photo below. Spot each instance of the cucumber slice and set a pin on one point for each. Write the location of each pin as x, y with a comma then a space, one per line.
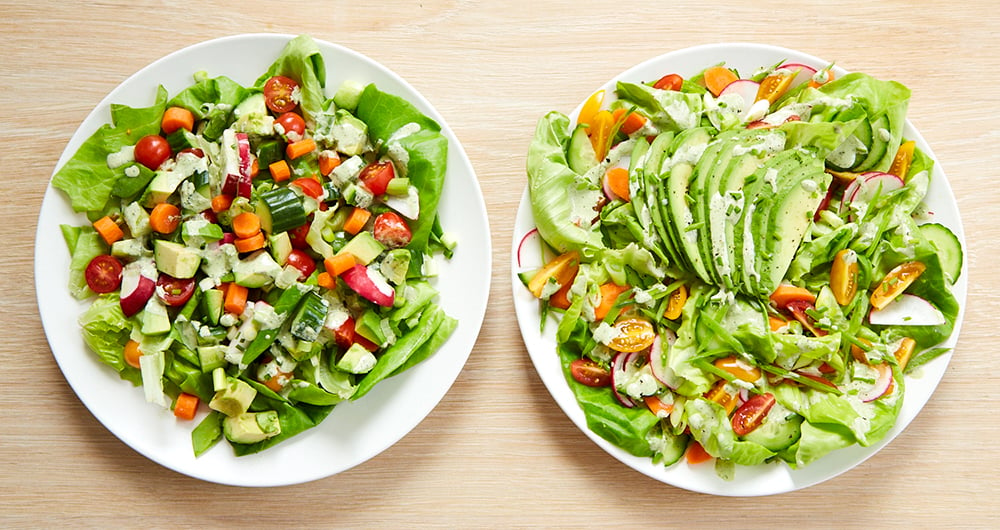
949, 249
780, 429
279, 210
581, 155
668, 447
310, 317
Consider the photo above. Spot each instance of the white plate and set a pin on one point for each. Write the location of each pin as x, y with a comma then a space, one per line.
750, 481
354, 431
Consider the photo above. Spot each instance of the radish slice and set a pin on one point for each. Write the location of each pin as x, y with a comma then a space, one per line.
237, 163
805, 73
244, 186
136, 291
658, 359
533, 252
619, 366
228, 238
745, 88
868, 186
369, 284
907, 310
881, 385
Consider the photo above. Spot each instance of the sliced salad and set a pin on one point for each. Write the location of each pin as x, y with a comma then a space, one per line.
742, 264
258, 254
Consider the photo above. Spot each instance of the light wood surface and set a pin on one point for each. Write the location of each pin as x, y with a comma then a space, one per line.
497, 451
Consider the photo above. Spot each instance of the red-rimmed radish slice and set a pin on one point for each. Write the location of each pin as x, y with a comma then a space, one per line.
869, 185
881, 386
619, 368
658, 359
907, 310
805, 73
533, 252
136, 291
744, 88
237, 163
370, 284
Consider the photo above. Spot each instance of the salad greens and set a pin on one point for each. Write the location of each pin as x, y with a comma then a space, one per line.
266, 250
744, 269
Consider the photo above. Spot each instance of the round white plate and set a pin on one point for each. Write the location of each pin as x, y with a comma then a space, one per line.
354, 431
769, 478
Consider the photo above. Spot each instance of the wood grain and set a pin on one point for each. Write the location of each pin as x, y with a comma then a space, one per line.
496, 451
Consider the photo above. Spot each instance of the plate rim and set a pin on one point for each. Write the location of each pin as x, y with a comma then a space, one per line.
682, 476
459, 346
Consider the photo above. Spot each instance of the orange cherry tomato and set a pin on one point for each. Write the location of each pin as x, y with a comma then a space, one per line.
896, 282
844, 276
739, 368
675, 303
634, 334
590, 108
721, 395
774, 86
558, 270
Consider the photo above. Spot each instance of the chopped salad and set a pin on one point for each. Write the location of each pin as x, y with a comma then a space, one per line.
258, 254
742, 263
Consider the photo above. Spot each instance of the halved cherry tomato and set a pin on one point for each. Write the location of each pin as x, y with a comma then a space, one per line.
279, 93
600, 133
587, 372
739, 368
904, 157
720, 394
896, 282
774, 86
103, 274
291, 122
798, 310
844, 276
193, 151
786, 294
658, 407
634, 334
345, 336
174, 291
298, 236
376, 176
309, 186
152, 151
590, 108
751, 414
669, 82
675, 303
277, 380
302, 261
559, 270
391, 230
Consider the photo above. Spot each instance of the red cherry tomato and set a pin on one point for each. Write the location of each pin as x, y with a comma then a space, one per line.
587, 372
391, 230
291, 122
152, 151
669, 82
798, 309
376, 176
103, 274
279, 93
302, 261
309, 186
174, 291
298, 236
752, 413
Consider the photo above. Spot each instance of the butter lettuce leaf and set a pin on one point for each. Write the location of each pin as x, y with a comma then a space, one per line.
105, 331
302, 61
670, 110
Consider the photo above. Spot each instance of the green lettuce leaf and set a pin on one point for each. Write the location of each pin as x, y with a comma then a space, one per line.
86, 178
561, 201
87, 244
105, 331
670, 110
302, 61
426, 151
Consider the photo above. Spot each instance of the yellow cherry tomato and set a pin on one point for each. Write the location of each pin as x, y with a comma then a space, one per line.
844, 276
896, 282
633, 334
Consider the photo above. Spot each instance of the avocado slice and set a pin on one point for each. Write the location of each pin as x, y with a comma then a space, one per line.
649, 176
251, 427
758, 192
724, 198
790, 218
675, 173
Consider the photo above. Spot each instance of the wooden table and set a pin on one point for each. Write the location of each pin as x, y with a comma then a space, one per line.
497, 450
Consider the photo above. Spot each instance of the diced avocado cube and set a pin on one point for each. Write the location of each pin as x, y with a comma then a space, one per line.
364, 247
369, 326
131, 249
395, 265
350, 133
357, 360
257, 270
154, 318
176, 259
234, 399
211, 305
211, 357
348, 94
281, 246
251, 427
